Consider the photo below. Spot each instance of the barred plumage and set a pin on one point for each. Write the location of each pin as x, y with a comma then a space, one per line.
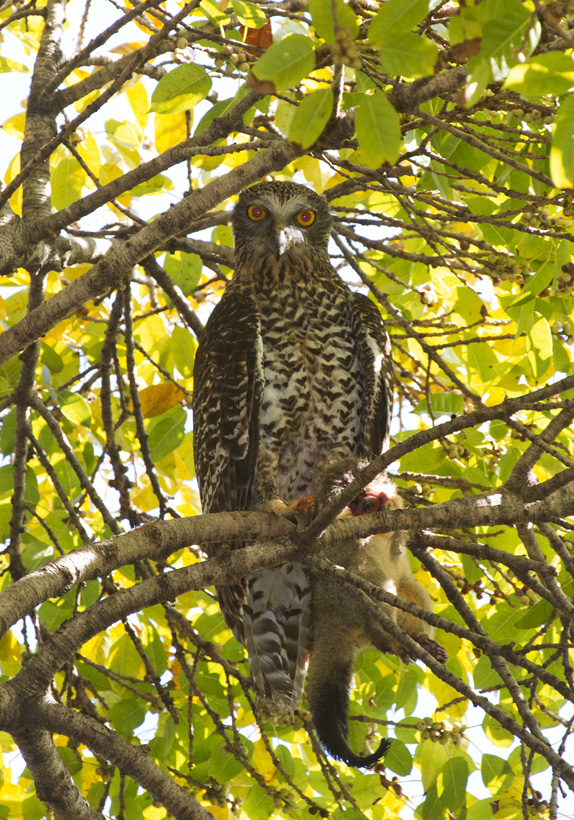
293, 371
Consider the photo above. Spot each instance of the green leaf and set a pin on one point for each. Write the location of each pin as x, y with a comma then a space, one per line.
398, 759
223, 766
378, 130
479, 810
432, 807
53, 614
484, 675
442, 404
181, 89
32, 809
504, 34
481, 359
408, 55
218, 109
311, 117
433, 758
183, 347
322, 15
538, 615
551, 73
51, 358
77, 410
497, 774
126, 715
407, 688
124, 658
213, 13
287, 62
562, 151
184, 269
508, 29
249, 14
535, 285
258, 805
495, 732
32, 492
68, 179
167, 433
451, 783
8, 434
397, 16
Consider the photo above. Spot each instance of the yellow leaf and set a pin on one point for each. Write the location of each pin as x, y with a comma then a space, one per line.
16, 198
128, 48
143, 496
15, 125
90, 153
445, 694
16, 303
496, 395
207, 163
183, 457
171, 129
153, 337
219, 812
263, 762
110, 172
90, 773
139, 101
154, 813
9, 649
158, 398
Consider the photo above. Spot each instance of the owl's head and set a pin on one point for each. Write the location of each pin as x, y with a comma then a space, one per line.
273, 219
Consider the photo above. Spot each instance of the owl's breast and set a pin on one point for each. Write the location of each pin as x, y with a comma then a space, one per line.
313, 395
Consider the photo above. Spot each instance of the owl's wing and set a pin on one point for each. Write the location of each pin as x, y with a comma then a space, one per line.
228, 386
377, 365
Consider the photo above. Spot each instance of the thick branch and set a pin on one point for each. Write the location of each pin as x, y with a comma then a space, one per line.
108, 272
130, 759
54, 784
154, 541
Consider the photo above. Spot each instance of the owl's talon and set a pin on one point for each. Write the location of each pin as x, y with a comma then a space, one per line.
289, 516
304, 509
299, 512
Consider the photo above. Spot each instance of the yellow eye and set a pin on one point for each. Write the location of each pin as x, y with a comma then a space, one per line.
306, 218
255, 213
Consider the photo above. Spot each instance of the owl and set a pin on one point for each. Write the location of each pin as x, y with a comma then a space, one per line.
293, 372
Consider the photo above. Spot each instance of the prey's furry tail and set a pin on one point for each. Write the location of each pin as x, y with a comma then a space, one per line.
328, 695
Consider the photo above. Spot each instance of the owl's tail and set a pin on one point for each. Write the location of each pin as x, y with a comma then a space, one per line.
276, 625
328, 688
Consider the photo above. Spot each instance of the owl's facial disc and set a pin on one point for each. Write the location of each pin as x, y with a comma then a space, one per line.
278, 221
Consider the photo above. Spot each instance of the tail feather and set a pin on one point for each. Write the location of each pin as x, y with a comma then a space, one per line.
328, 694
276, 631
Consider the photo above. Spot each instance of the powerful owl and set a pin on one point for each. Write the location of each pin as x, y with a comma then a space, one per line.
293, 372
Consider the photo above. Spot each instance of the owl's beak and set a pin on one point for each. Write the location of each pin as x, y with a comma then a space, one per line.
283, 239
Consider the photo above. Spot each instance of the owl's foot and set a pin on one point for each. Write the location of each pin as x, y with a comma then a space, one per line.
368, 502
300, 512
433, 648
304, 510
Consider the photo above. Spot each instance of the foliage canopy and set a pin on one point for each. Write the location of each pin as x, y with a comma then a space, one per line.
442, 134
